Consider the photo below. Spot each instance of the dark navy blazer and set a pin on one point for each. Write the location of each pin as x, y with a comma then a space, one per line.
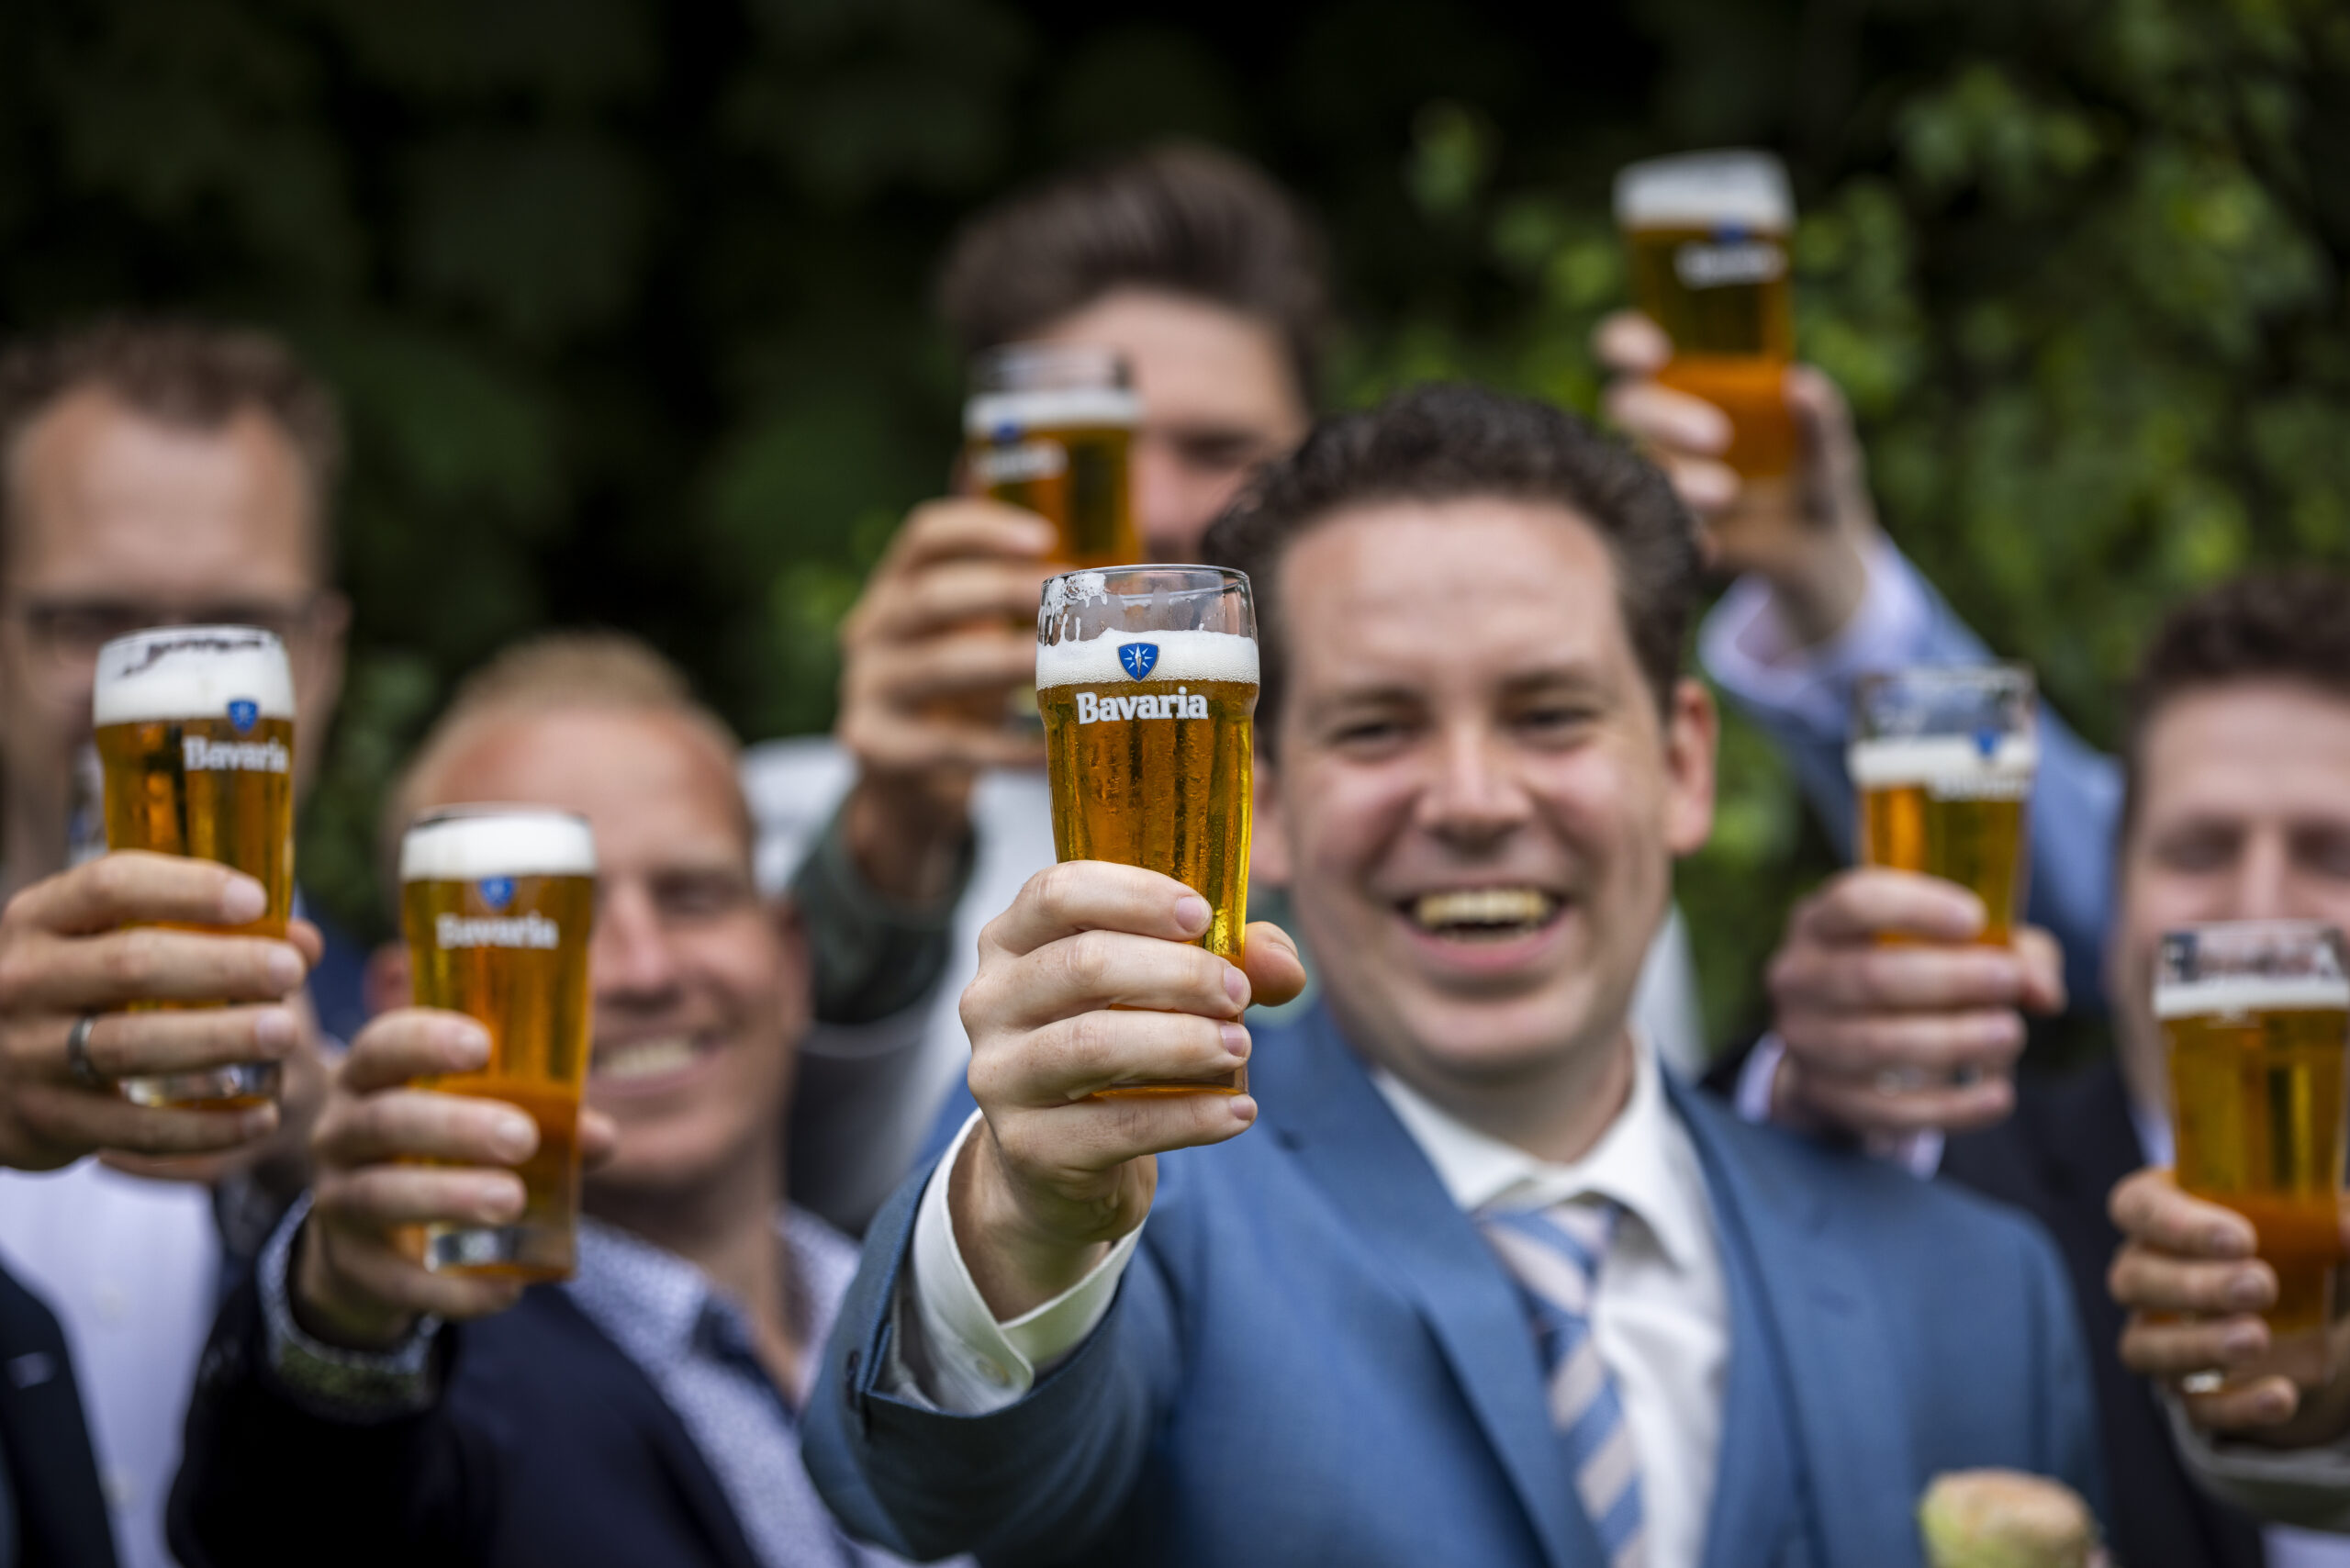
548, 1448
1315, 1358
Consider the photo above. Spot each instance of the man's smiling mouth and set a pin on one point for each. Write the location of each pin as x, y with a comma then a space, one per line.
1482, 914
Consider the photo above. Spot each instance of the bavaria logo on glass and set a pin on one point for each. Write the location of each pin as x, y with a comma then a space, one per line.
496, 891
1139, 659
244, 713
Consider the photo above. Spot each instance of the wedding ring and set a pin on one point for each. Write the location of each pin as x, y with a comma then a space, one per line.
77, 1054
2203, 1383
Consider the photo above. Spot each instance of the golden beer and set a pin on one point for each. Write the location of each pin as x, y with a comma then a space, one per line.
1707, 237
2258, 1104
195, 735
496, 905
1049, 428
1945, 808
1149, 738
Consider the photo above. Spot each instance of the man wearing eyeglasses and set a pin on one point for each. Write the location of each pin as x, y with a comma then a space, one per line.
155, 473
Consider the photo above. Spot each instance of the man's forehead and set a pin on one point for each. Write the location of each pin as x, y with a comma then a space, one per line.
649, 779
1412, 579
95, 482
2249, 746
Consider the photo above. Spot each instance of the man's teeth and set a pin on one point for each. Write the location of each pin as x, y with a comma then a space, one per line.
1471, 911
644, 1059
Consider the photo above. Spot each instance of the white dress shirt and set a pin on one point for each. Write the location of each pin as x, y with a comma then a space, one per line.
131, 1268
1661, 1314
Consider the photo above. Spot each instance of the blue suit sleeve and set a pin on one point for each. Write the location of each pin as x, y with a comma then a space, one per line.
2073, 1449
2075, 800
1036, 1482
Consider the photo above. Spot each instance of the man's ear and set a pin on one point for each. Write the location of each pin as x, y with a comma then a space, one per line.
388, 982
1269, 846
1691, 727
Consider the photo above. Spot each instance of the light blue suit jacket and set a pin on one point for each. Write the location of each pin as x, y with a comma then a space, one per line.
1313, 1358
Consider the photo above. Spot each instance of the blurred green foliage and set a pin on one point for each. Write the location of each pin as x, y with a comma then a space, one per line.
627, 300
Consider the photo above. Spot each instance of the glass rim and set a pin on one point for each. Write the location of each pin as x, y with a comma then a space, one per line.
1205, 577
146, 635
1992, 676
2278, 927
555, 843
1048, 354
468, 810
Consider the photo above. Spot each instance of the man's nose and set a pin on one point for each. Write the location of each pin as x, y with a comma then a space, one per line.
630, 955
1474, 794
2262, 890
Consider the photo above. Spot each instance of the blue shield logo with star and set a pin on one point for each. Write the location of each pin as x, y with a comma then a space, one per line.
497, 893
1139, 659
1987, 741
244, 713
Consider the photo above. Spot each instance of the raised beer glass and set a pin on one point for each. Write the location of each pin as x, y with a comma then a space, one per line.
2254, 1016
1942, 759
1048, 427
496, 903
1707, 233
1146, 678
194, 732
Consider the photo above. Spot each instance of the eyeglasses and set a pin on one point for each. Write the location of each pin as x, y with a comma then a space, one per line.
64, 634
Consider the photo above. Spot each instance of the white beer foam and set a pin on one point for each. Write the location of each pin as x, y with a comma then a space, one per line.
991, 412
1183, 656
498, 843
2250, 993
1705, 190
1939, 760
191, 672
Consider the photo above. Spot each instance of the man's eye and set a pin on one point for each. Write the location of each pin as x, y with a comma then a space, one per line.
1369, 732
700, 899
2327, 854
2196, 852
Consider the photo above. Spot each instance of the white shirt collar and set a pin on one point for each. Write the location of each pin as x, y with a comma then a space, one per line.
1644, 1161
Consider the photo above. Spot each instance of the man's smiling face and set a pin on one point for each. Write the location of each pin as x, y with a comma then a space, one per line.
1472, 796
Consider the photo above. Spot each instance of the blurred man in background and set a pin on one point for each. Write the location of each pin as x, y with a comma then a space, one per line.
925, 821
2236, 807
154, 473
356, 1408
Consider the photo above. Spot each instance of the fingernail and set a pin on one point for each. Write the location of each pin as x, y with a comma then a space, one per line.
514, 1137
286, 969
2247, 1291
1191, 913
2226, 1242
1244, 1109
1236, 1041
274, 1031
2243, 1340
242, 902
501, 1200
467, 1044
1236, 986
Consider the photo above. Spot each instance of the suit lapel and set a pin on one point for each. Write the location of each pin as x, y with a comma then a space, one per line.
1320, 1104
689, 1471
1813, 1307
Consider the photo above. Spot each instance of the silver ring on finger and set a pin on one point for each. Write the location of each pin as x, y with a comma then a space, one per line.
77, 1056
2203, 1383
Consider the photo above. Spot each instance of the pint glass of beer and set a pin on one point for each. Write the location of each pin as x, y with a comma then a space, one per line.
196, 742
1943, 761
1146, 678
1048, 427
2256, 1016
496, 902
1707, 233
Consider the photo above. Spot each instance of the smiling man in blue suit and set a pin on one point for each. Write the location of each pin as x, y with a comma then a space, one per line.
1486, 1287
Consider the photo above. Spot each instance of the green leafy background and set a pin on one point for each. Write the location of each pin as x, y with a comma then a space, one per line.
627, 299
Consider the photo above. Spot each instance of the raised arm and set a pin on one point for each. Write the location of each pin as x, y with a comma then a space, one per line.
1001, 1269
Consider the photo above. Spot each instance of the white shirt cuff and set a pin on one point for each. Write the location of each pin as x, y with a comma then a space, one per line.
1918, 1153
965, 1361
1746, 647
2308, 1487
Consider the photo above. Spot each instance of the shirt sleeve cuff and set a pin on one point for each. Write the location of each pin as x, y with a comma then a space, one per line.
965, 1360
1918, 1153
2308, 1487
872, 956
1746, 647
328, 1381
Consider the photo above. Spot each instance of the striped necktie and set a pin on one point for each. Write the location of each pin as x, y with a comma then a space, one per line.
1555, 1254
